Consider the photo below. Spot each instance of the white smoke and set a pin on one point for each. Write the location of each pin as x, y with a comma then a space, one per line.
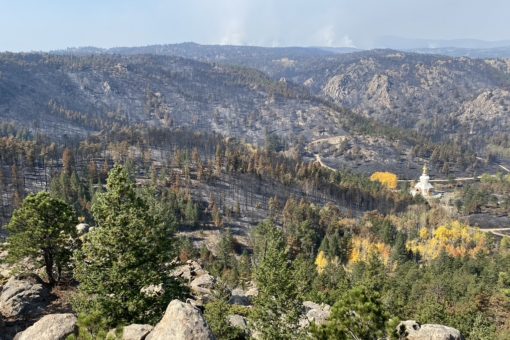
328, 37
233, 33
234, 15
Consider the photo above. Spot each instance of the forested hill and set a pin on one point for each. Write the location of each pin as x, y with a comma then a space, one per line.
64, 93
441, 97
64, 96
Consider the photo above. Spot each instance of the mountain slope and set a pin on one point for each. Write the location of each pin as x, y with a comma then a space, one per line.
90, 93
423, 92
429, 93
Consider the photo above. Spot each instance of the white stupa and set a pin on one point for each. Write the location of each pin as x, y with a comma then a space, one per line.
423, 187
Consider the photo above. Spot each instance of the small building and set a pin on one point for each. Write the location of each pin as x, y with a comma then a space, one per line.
423, 187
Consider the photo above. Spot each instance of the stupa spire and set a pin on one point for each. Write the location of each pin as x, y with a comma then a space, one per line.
425, 169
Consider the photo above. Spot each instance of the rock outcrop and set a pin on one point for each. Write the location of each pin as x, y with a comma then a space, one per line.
189, 271
238, 321
23, 295
315, 313
181, 321
203, 284
412, 330
199, 280
136, 332
50, 327
239, 297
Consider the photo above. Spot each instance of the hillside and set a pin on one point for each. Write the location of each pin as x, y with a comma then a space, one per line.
429, 93
64, 96
90, 93
423, 92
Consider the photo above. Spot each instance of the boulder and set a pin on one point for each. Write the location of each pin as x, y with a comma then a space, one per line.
252, 292
315, 313
181, 321
153, 290
183, 271
412, 330
203, 284
238, 297
82, 228
189, 271
23, 295
238, 321
196, 268
136, 332
50, 327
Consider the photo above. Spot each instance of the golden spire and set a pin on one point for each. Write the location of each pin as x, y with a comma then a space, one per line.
425, 169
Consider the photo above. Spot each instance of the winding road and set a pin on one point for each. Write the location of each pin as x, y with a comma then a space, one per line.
339, 139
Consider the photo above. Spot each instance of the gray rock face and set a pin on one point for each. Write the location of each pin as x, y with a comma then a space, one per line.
181, 321
189, 271
23, 295
199, 280
315, 313
50, 327
203, 284
412, 330
238, 321
202, 287
239, 297
136, 332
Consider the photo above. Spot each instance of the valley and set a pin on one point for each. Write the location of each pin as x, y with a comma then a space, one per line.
234, 183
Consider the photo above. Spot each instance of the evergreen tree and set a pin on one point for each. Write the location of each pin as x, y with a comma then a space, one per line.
217, 313
225, 250
43, 228
277, 306
244, 268
122, 266
400, 253
191, 212
358, 315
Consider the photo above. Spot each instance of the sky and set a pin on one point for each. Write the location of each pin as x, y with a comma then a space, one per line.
42, 25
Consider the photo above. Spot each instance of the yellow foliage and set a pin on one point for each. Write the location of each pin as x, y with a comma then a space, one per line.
388, 179
321, 262
363, 248
424, 233
456, 239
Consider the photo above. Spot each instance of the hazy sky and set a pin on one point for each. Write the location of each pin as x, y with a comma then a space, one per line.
52, 24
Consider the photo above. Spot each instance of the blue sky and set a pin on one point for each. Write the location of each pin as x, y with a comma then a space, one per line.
27, 25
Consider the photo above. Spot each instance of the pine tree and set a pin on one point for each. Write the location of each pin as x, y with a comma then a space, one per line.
400, 253
218, 160
277, 306
43, 228
216, 215
225, 251
244, 268
358, 314
217, 315
191, 212
124, 256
